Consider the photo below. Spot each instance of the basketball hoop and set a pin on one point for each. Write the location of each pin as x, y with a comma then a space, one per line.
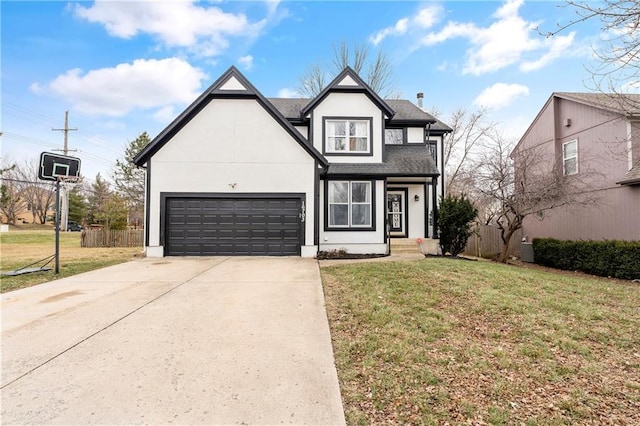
67, 178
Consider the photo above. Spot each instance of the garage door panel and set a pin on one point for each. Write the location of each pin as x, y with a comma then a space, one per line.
233, 226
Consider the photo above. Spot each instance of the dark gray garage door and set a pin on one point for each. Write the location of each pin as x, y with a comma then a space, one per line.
233, 226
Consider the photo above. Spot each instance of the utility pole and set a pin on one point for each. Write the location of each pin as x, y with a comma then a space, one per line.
66, 131
62, 205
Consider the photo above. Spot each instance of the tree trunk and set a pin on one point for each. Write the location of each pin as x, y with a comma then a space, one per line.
504, 253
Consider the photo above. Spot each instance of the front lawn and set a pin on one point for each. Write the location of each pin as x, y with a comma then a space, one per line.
440, 340
22, 246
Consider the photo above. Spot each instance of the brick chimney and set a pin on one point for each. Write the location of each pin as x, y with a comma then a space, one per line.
420, 96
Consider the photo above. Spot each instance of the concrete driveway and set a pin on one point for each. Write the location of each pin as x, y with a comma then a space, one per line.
175, 340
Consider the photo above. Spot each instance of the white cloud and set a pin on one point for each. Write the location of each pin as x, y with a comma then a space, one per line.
187, 24
164, 114
425, 18
500, 95
558, 46
506, 41
35, 88
399, 28
288, 93
246, 62
143, 84
428, 16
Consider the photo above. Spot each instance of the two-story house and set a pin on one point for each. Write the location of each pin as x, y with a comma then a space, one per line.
594, 139
240, 174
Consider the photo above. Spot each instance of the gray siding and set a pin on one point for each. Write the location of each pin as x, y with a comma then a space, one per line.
603, 159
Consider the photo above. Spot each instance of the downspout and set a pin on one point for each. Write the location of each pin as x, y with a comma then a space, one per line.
434, 194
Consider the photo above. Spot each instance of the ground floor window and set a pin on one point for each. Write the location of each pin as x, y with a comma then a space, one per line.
349, 204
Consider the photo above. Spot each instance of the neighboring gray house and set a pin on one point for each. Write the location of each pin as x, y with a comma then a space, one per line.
239, 174
598, 136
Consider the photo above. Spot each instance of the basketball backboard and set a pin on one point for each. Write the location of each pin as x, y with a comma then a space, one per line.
54, 165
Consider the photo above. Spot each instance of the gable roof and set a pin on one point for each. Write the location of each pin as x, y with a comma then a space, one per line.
622, 103
231, 85
627, 104
348, 81
401, 160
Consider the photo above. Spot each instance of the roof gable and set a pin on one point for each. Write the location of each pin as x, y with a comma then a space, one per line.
231, 84
348, 81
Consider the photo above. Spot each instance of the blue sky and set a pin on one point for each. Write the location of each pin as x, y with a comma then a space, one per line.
122, 68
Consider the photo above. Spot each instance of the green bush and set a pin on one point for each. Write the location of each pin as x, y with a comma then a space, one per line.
454, 220
617, 259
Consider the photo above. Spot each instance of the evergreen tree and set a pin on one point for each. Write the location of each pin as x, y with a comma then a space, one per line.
129, 179
455, 216
99, 194
78, 205
113, 214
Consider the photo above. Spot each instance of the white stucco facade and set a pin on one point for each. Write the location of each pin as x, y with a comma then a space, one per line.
239, 174
217, 152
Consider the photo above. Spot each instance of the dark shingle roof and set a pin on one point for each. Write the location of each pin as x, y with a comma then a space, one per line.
405, 110
401, 160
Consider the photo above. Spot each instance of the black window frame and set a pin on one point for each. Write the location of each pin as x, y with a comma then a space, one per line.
350, 228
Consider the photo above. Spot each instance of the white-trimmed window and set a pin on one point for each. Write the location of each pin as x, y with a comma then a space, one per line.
348, 136
570, 157
349, 204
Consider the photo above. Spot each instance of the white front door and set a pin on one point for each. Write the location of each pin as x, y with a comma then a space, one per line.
396, 213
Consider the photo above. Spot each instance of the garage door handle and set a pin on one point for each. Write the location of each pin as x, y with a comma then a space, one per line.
302, 212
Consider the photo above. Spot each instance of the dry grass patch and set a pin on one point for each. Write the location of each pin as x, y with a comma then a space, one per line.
439, 340
22, 247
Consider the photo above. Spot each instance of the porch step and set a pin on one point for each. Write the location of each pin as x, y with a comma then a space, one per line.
410, 245
404, 245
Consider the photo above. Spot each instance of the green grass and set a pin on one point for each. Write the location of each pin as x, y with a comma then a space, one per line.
21, 247
441, 340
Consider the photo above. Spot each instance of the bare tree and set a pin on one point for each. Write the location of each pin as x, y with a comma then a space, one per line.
11, 201
524, 183
376, 71
38, 195
618, 62
469, 129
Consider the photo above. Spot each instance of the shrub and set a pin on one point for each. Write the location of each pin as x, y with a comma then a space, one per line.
454, 219
618, 259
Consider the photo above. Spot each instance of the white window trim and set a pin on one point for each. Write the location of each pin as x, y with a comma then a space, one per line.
330, 148
350, 204
565, 159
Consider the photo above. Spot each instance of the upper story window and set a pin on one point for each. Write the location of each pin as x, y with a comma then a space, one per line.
432, 146
348, 136
394, 136
570, 157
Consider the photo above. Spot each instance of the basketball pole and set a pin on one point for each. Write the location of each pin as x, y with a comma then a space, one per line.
57, 267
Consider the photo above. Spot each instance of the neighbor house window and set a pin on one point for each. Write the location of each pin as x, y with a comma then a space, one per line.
570, 157
349, 204
394, 136
347, 136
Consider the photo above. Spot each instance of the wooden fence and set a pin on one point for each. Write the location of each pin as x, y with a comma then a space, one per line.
111, 238
486, 242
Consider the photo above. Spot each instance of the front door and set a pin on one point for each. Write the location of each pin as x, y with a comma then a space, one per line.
396, 213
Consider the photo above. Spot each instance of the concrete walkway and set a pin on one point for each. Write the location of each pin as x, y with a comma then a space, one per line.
174, 340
